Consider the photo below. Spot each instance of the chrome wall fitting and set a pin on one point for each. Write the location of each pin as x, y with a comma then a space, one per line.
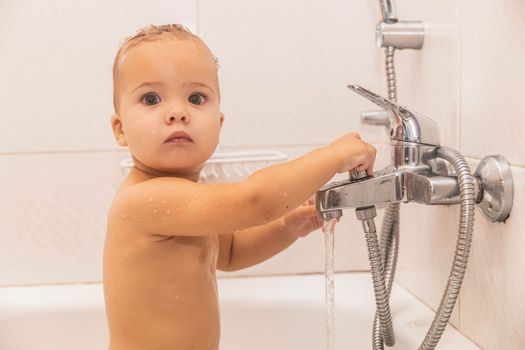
375, 118
494, 176
401, 34
417, 173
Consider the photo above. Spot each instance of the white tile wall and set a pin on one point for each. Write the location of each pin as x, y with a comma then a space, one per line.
285, 67
492, 72
54, 209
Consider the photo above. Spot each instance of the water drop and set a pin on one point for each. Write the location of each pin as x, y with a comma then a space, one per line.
155, 211
151, 198
168, 211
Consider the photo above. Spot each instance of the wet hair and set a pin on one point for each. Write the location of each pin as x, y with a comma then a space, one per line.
148, 34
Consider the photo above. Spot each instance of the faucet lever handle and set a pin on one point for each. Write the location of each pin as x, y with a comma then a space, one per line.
405, 125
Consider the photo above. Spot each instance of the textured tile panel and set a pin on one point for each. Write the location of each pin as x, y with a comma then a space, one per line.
492, 71
285, 67
54, 209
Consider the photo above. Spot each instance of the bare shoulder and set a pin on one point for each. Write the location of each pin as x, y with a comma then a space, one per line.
173, 206
134, 196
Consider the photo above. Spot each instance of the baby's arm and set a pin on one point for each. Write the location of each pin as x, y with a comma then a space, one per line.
254, 245
251, 246
175, 206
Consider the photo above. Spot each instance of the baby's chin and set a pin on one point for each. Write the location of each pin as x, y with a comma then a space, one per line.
188, 170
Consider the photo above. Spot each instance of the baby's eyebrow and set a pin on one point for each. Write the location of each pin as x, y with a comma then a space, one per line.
147, 83
196, 83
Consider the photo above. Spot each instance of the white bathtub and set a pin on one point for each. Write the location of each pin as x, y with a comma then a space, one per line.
260, 313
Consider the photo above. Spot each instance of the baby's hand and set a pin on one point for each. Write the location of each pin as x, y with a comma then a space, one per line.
355, 153
302, 220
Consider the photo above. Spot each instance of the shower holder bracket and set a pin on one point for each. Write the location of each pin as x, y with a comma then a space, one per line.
494, 177
400, 34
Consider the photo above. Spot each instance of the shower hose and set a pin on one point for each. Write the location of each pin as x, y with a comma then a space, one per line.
383, 255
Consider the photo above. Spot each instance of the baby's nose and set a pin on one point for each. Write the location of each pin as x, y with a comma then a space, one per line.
181, 116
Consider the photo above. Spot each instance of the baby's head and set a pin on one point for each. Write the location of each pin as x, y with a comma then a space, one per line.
167, 102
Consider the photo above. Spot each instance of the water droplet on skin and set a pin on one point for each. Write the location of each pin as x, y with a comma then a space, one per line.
177, 209
123, 215
163, 218
168, 211
195, 196
151, 198
285, 194
204, 208
155, 211
164, 202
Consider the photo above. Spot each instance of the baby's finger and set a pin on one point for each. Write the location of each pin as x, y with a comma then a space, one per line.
308, 211
311, 200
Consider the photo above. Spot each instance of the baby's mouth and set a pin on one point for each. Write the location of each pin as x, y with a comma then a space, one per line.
178, 137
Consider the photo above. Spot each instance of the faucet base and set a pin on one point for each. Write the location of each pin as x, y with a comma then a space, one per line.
495, 177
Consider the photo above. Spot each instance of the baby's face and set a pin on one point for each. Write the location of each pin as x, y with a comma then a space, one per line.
168, 86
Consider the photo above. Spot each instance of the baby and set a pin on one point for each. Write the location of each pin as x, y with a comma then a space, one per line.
167, 233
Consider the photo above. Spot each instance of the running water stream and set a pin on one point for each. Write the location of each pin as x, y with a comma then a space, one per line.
328, 230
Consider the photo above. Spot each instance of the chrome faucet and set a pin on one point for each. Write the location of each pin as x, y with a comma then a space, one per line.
416, 173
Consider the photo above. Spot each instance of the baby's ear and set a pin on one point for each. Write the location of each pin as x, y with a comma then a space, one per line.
118, 132
222, 118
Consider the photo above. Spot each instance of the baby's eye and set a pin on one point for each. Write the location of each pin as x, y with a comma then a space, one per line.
197, 99
150, 99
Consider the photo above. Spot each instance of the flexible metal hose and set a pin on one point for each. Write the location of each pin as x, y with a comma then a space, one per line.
389, 244
459, 264
381, 292
389, 241
390, 236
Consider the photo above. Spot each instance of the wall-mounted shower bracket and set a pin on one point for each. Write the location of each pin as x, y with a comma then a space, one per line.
494, 177
400, 34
